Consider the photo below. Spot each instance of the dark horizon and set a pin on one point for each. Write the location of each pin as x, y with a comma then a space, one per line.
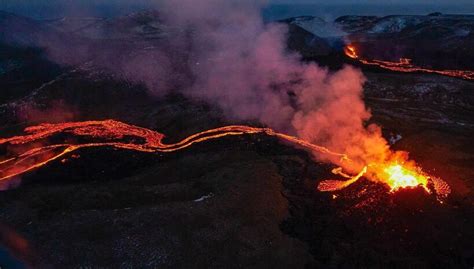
273, 11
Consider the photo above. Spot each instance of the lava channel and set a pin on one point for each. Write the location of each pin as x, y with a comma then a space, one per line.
404, 65
33, 150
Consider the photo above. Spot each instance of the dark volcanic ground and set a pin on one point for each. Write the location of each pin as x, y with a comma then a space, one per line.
237, 202
259, 205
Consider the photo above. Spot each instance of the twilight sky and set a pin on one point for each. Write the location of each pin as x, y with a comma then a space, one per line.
379, 2
141, 2
58, 8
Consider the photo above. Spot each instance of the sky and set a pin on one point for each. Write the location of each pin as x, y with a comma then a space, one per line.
379, 2
45, 9
324, 2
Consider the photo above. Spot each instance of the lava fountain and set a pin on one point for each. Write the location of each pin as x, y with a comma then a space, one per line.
402, 177
405, 65
33, 150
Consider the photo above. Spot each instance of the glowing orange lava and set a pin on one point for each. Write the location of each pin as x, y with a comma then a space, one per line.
405, 65
350, 51
35, 149
397, 173
401, 177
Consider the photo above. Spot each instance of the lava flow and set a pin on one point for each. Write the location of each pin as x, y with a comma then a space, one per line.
405, 66
36, 149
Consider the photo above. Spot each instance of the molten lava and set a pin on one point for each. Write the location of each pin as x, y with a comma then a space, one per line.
401, 177
405, 65
36, 149
350, 51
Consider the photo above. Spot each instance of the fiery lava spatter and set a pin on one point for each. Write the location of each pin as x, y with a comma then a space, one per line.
394, 174
34, 150
405, 65
401, 177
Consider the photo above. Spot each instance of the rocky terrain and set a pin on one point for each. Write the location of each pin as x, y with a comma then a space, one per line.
434, 41
246, 201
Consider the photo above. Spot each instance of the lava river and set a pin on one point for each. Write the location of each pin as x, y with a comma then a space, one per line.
405, 65
45, 143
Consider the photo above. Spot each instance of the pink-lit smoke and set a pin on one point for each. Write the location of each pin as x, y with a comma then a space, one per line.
242, 64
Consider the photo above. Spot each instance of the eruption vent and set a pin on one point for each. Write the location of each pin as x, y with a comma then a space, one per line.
401, 177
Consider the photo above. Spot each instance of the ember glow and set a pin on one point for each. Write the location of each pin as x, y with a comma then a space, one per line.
350, 51
405, 65
396, 176
35, 149
401, 177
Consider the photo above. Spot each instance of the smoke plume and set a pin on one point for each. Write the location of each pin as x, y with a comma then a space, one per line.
242, 65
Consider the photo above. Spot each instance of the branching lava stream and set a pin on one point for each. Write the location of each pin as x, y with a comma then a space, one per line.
405, 65
36, 148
